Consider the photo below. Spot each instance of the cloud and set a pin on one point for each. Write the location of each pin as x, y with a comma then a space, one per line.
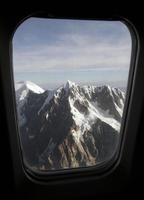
75, 50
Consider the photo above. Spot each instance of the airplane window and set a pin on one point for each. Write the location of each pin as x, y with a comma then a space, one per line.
70, 87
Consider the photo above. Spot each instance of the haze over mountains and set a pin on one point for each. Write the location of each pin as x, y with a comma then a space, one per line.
71, 126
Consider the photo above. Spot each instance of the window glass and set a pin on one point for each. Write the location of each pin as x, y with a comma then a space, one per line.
70, 85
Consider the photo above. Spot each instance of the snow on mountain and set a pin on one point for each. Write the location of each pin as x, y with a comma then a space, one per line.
106, 98
83, 120
94, 111
69, 84
47, 100
28, 85
22, 90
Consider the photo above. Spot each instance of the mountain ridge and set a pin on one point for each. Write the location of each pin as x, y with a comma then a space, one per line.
70, 126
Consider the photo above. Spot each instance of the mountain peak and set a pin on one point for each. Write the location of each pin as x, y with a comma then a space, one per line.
69, 84
30, 86
33, 87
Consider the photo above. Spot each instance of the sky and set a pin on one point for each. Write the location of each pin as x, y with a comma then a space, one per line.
49, 52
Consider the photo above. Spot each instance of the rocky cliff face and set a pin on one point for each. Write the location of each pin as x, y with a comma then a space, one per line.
70, 126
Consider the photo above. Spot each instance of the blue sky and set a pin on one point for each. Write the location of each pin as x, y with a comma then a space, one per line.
51, 51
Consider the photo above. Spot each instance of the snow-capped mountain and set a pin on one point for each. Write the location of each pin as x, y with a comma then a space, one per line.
70, 126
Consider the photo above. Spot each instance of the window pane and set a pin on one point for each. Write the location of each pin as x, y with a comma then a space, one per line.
70, 85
